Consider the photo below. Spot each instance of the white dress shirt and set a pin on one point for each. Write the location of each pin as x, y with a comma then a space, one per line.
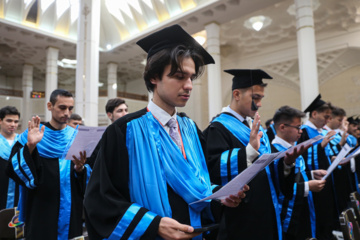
161, 115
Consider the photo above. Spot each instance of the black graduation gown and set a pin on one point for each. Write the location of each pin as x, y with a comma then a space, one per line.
107, 197
4, 183
42, 205
324, 201
343, 179
300, 226
270, 133
255, 217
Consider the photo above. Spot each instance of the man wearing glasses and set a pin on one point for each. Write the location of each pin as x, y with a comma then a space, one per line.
317, 157
298, 216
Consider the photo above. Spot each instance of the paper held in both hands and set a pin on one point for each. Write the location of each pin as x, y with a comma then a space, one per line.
86, 140
235, 185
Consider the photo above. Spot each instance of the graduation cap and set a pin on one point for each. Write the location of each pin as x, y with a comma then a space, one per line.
315, 104
244, 78
353, 120
170, 37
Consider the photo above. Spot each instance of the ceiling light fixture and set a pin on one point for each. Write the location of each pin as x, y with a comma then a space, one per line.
258, 22
67, 63
108, 46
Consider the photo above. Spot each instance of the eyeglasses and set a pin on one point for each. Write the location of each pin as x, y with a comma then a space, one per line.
297, 127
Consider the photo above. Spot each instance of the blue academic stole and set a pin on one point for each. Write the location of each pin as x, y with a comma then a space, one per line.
242, 133
313, 133
52, 145
299, 167
155, 160
5, 151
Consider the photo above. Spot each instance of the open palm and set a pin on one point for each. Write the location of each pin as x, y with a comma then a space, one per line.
35, 134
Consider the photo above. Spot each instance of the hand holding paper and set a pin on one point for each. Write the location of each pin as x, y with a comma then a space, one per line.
291, 157
86, 140
345, 150
316, 185
235, 200
79, 163
319, 174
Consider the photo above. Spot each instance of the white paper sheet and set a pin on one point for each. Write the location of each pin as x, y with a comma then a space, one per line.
236, 184
86, 140
351, 155
345, 150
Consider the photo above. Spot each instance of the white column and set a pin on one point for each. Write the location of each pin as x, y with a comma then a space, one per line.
214, 76
309, 84
112, 80
27, 87
51, 79
87, 56
197, 102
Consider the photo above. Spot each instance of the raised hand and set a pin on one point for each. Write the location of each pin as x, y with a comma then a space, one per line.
343, 138
255, 135
79, 163
235, 200
344, 125
171, 229
35, 134
328, 138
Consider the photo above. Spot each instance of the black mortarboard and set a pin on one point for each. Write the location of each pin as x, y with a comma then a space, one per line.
315, 104
170, 37
353, 120
244, 78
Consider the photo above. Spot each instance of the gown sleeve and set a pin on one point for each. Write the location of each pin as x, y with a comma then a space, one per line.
23, 167
225, 160
109, 212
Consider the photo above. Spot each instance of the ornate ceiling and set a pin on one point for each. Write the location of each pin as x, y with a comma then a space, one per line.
26, 43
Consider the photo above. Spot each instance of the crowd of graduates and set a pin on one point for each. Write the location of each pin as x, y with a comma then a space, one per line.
150, 166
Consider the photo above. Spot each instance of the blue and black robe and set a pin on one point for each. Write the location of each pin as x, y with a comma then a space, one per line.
297, 213
258, 215
52, 192
140, 175
9, 189
344, 178
326, 211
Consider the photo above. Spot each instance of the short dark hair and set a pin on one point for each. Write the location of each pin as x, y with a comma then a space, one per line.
268, 122
286, 114
322, 108
75, 116
337, 112
59, 92
156, 64
8, 110
113, 103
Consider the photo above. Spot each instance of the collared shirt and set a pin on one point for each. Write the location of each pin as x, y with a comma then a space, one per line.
10, 141
161, 115
326, 127
251, 153
310, 124
287, 168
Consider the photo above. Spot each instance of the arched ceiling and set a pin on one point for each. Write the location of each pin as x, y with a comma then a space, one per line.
120, 19
23, 41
